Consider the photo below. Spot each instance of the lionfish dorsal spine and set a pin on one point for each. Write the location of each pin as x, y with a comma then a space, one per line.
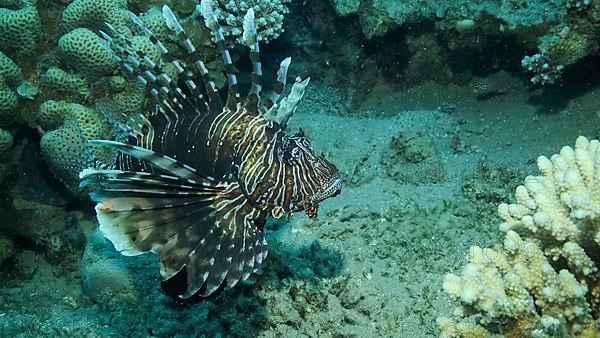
135, 63
186, 76
251, 39
210, 21
212, 92
279, 83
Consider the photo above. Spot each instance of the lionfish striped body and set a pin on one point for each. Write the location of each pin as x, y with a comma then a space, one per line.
196, 180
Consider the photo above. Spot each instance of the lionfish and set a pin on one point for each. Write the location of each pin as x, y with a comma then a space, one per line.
196, 179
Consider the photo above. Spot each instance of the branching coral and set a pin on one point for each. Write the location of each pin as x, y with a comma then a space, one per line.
545, 280
545, 72
269, 17
561, 47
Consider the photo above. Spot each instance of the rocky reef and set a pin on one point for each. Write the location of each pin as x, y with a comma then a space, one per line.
71, 69
538, 39
59, 87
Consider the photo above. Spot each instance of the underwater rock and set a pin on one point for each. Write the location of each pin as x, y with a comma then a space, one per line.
37, 184
33, 221
323, 261
428, 60
412, 158
106, 275
346, 7
380, 17
492, 183
6, 143
7, 249
74, 233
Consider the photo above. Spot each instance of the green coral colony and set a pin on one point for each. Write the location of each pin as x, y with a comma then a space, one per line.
59, 78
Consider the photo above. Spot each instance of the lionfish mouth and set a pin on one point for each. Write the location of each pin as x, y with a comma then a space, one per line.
331, 190
311, 207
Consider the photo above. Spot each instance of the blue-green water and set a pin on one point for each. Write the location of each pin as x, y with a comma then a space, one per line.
433, 113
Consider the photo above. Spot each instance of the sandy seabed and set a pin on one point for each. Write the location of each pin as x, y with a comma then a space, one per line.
423, 170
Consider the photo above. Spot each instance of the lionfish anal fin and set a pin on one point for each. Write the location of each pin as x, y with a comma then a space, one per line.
189, 220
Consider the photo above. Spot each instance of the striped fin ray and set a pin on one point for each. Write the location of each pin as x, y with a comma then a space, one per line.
184, 74
139, 212
148, 72
233, 258
190, 221
211, 23
279, 83
140, 128
160, 161
255, 251
173, 190
180, 229
135, 63
251, 40
214, 100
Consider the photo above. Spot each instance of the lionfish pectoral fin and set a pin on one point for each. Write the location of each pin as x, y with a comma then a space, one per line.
233, 249
200, 225
140, 212
163, 162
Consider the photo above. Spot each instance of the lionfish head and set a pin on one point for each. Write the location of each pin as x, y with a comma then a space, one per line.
314, 178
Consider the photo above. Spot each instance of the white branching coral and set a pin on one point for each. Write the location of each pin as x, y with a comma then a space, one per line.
269, 17
545, 280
